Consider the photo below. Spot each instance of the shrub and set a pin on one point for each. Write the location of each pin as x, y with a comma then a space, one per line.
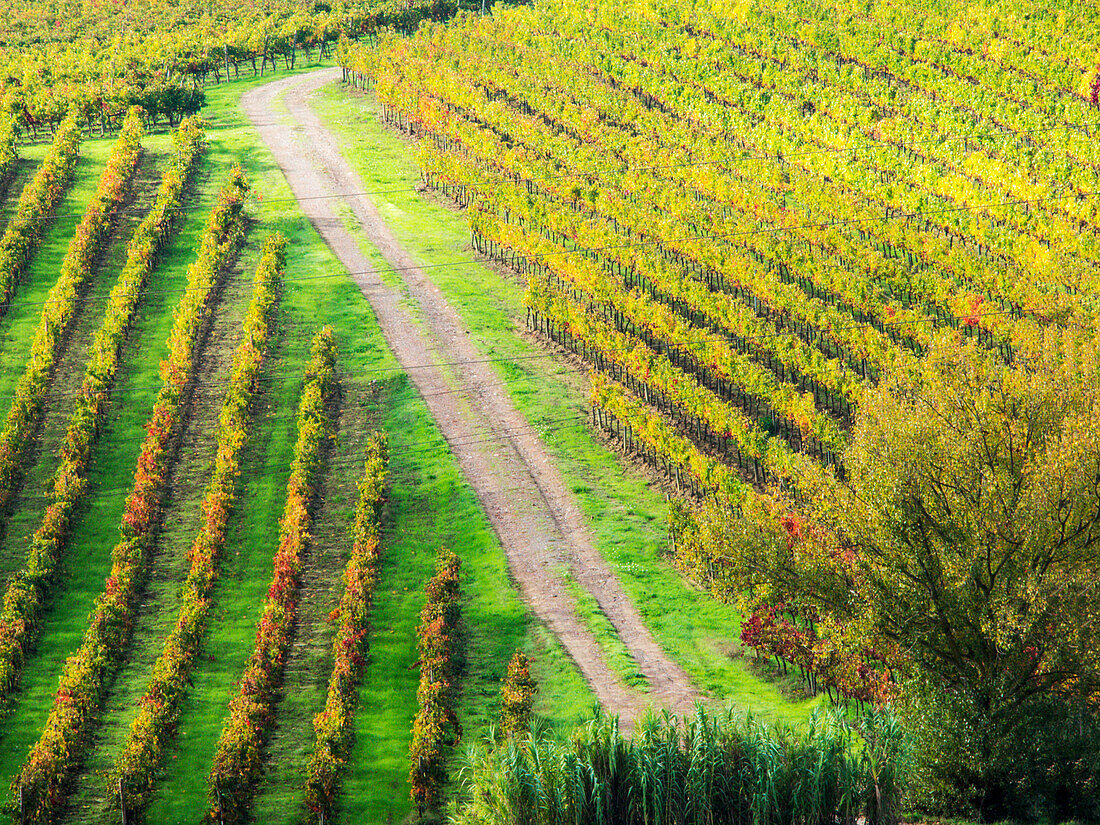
517, 697
437, 643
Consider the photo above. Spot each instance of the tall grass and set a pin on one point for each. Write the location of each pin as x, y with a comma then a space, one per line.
707, 770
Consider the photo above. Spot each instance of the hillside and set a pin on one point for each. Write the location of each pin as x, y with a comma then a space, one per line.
696, 359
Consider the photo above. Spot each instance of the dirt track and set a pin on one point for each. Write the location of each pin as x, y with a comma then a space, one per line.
538, 523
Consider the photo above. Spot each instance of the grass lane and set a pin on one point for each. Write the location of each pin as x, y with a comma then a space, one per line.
26, 164
279, 798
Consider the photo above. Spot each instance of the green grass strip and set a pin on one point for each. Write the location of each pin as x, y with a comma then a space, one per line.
38, 200
41, 784
238, 758
159, 708
24, 599
91, 235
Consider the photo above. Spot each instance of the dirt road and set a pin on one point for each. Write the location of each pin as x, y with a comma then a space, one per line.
538, 523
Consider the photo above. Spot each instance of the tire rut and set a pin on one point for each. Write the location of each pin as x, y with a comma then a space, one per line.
540, 526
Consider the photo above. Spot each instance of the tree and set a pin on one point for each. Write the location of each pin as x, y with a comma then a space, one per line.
972, 513
965, 538
971, 519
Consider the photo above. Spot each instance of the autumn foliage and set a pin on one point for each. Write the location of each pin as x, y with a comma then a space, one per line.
26, 593
333, 725
437, 643
43, 778
40, 197
237, 759
517, 697
159, 708
61, 305
826, 659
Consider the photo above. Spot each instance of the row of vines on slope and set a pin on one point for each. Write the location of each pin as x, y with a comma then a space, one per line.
36, 204
438, 645
333, 725
136, 766
42, 782
27, 594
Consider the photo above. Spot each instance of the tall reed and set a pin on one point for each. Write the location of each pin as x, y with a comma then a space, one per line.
706, 770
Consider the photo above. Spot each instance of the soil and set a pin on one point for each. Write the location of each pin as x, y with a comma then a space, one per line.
531, 510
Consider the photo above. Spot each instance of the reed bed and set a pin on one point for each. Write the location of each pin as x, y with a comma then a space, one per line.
706, 770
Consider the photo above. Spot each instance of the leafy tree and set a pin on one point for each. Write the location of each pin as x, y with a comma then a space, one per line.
965, 541
971, 520
971, 516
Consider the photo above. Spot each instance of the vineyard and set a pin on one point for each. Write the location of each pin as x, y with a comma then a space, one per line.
171, 645
162, 303
159, 55
743, 221
552, 412
734, 280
